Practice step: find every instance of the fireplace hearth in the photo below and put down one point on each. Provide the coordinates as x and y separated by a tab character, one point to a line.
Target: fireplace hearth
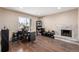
67	33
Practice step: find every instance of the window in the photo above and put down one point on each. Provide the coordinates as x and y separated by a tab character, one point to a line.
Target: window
24	22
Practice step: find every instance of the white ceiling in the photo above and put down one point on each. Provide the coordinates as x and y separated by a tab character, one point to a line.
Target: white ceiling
40	11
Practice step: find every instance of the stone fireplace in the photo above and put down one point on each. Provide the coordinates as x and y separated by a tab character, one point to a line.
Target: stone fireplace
67	33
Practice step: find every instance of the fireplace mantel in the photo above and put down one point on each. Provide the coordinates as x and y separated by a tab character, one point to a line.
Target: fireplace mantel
66	27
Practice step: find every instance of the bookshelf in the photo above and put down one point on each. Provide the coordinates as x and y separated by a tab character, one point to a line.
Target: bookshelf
38	26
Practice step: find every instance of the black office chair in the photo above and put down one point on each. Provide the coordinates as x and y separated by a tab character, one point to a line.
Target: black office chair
32	37
14	37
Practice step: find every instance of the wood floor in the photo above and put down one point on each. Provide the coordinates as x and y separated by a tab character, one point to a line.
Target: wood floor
43	44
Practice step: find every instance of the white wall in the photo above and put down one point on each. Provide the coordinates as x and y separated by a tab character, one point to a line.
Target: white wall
64	19
78	23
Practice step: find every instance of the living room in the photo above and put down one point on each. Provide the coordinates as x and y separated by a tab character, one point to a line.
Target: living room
64	22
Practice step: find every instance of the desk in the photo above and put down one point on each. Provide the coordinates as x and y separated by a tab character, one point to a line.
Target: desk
21	35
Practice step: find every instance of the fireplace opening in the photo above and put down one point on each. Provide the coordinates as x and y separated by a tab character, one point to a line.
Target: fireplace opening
67	33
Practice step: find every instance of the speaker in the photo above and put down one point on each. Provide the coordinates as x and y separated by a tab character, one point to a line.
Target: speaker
4	40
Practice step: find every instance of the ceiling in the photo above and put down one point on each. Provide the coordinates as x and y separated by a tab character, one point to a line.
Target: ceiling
40	11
